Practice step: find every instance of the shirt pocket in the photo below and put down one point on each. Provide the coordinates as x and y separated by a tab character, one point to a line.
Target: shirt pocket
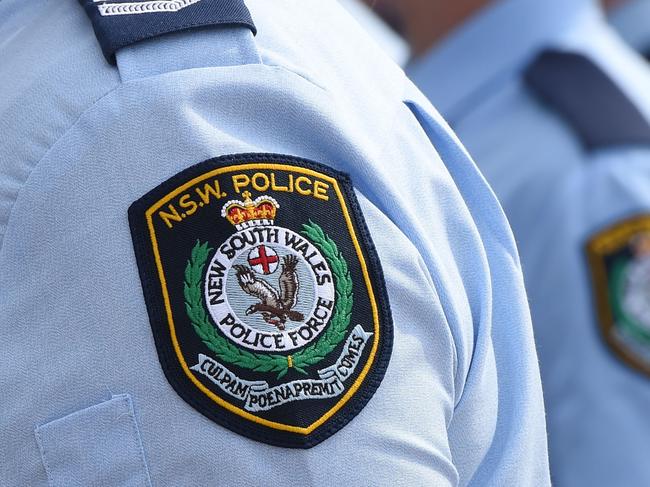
96	446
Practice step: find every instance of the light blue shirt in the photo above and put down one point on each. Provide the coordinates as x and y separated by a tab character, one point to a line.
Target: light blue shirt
84	399
389	40
556	195
632	21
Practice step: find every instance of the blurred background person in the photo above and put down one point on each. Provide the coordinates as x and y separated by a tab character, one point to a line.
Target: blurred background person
554	107
631	18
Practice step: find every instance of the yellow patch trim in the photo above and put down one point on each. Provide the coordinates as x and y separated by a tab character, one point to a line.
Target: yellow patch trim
606	242
161	275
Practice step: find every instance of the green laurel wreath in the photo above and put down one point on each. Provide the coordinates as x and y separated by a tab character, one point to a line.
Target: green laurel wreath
622	317
258	362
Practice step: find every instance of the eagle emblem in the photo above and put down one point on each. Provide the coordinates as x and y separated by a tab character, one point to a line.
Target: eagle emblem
274	306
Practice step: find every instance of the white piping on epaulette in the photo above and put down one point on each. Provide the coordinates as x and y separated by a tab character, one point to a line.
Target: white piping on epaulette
131	8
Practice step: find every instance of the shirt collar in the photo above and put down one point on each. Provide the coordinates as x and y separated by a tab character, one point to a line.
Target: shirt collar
499	41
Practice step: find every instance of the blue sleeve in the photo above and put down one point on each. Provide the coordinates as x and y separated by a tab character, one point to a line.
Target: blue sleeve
497	352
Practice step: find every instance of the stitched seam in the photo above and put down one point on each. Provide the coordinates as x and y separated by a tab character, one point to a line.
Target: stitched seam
295	73
124	398
41	447
274	67
137	438
47	152
176	28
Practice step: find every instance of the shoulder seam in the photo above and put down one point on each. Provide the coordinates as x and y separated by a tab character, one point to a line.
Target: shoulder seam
45	154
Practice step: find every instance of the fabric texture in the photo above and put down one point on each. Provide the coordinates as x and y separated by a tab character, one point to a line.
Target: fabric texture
460	403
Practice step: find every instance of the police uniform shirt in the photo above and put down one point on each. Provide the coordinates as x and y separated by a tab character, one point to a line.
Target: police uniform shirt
98	387
631	20
392	43
554	107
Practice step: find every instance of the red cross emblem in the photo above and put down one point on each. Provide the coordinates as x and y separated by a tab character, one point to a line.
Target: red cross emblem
263	259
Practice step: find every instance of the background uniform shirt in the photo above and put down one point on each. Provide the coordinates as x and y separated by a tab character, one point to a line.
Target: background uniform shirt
557	194
632	21
81	140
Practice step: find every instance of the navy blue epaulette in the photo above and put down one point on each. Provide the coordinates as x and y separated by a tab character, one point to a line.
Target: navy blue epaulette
120	23
584	95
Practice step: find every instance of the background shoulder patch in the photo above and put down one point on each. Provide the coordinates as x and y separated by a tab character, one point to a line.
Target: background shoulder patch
265	295
619	259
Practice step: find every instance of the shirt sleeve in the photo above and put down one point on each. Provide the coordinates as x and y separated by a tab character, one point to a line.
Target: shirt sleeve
497	372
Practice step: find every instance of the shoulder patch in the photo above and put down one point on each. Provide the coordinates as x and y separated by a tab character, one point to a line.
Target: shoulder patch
265	295
619	258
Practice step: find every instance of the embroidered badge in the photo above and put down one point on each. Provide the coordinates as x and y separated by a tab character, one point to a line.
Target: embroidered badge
265	295
620	265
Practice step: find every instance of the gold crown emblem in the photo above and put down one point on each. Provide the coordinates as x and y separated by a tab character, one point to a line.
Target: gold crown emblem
250	213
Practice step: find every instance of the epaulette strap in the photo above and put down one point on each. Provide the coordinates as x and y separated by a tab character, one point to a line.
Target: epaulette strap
586	97
119	23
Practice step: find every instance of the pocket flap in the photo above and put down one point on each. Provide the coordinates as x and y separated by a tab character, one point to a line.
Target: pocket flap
98	446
